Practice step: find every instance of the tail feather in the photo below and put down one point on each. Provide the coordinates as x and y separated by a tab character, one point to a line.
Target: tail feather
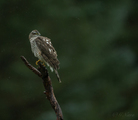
57	76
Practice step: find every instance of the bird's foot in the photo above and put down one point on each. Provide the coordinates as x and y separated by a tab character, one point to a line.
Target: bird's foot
43	64
37	62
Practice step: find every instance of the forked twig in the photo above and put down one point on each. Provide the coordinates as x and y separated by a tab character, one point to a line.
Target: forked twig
43	73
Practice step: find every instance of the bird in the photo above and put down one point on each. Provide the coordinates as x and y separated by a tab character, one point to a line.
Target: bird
43	49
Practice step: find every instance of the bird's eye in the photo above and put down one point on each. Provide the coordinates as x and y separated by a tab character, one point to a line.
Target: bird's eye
33	32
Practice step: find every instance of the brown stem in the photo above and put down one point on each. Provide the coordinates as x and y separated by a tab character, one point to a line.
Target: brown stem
31	67
43	73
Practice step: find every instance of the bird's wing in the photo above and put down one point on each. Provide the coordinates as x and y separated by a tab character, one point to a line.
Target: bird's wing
47	51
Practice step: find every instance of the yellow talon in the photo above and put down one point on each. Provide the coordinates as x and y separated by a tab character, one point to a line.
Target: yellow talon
43	64
37	62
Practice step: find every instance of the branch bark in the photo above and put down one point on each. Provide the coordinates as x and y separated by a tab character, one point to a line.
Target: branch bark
49	92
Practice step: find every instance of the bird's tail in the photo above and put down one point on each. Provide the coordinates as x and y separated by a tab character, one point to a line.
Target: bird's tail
57	76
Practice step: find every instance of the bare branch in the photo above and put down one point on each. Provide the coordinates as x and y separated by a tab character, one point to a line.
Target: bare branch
31	67
43	73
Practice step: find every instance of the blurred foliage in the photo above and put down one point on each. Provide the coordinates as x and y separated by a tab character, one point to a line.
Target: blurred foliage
97	45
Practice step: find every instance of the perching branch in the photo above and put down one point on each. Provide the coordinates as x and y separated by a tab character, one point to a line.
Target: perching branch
43	73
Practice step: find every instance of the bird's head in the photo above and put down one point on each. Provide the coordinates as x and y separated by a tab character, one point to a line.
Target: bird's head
34	33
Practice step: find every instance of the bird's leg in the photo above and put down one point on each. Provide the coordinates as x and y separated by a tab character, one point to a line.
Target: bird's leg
43	64
37	62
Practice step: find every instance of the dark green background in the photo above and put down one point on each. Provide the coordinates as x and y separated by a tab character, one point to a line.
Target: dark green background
97	45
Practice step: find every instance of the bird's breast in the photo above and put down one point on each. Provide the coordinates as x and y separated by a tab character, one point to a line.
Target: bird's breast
35	48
